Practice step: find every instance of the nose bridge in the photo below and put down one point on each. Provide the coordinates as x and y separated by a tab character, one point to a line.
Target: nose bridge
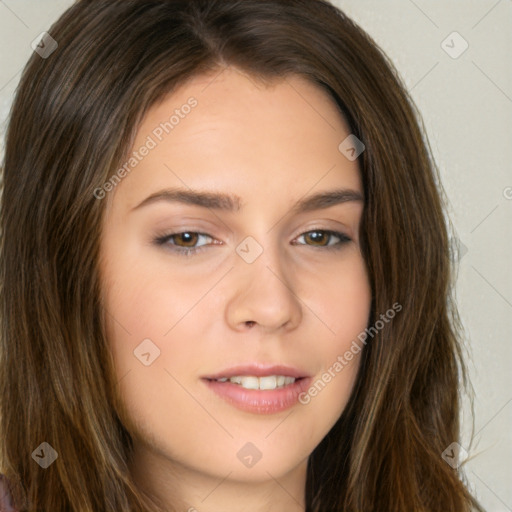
263	292
261	254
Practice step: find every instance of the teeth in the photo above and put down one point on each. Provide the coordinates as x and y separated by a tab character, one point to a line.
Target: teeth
262	383
269	382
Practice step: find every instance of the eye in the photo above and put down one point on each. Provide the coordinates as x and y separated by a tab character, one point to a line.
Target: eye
321	238
185	242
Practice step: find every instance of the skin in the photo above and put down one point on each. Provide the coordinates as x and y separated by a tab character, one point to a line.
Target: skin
270	145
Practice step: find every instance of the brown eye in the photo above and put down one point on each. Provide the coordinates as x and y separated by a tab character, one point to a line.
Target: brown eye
185	243
189	239
322	237
317	237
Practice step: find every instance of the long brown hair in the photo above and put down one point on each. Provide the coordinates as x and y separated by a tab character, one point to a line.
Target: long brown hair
72	123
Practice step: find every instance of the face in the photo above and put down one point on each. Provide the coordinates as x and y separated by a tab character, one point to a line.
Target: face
253	278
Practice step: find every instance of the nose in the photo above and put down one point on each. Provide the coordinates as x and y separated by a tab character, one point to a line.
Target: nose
263	293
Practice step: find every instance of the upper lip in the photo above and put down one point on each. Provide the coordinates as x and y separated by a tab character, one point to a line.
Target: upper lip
258	370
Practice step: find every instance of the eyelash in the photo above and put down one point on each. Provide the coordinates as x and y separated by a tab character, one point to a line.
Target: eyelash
164	239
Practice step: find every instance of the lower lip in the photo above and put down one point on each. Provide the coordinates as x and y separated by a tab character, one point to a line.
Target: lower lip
269	401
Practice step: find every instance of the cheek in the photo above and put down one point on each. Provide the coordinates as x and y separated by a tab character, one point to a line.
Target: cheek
155	339
148	330
340	298
341	302
145	302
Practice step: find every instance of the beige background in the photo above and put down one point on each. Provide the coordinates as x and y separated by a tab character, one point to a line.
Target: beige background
466	103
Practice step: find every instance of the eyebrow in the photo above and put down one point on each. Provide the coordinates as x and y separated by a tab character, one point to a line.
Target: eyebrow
233	203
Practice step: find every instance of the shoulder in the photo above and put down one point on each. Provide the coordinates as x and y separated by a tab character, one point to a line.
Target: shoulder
5	496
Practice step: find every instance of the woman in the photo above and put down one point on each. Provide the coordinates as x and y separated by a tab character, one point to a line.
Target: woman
225	269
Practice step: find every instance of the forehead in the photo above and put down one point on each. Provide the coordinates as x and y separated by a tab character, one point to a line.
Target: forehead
277	136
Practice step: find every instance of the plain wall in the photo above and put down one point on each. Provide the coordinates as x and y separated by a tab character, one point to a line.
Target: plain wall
466	103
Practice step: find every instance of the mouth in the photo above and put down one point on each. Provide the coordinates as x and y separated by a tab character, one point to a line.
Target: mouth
260	389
